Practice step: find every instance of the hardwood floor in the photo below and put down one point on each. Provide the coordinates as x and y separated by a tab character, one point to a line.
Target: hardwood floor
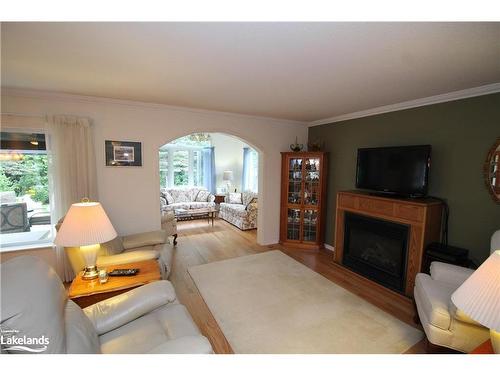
200	243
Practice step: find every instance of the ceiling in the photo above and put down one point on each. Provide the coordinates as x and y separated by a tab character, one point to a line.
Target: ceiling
297	71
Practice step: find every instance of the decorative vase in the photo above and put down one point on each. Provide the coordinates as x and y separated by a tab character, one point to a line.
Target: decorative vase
316	145
296	147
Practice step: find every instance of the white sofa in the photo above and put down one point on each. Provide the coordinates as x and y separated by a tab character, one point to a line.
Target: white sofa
240	209
173	199
147	319
443	323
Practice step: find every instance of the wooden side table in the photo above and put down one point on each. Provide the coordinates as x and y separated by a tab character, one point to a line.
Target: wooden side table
484	348
87	292
219	198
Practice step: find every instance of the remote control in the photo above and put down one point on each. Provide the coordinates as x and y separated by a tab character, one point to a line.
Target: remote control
124	272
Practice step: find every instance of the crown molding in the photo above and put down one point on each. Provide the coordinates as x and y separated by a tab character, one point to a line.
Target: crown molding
61	96
448	97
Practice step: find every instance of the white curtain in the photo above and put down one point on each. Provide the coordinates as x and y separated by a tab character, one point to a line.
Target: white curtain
72	171
250	175
209	168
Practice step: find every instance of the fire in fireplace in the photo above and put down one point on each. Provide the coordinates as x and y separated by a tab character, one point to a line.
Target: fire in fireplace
376	249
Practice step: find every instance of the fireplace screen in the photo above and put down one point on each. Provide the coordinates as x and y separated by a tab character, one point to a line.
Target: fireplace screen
376	249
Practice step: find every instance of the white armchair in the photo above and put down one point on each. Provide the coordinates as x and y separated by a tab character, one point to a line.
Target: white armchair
147	319
169	224
443	323
128	249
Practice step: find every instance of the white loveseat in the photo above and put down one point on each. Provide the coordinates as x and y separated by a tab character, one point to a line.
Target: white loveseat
443	323
147	319
240	209
173	199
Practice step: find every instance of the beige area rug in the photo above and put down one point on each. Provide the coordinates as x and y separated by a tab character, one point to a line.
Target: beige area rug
270	303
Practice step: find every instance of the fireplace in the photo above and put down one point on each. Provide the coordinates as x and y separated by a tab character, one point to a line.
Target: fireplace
376	249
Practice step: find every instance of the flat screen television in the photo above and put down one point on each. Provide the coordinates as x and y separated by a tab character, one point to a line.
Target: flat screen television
394	170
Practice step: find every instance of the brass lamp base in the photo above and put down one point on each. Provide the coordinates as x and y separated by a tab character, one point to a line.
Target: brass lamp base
90	273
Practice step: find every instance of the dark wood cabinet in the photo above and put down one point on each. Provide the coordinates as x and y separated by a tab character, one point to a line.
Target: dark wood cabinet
219	198
303	199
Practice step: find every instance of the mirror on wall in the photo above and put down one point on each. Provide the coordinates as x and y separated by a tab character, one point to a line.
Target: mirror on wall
492	171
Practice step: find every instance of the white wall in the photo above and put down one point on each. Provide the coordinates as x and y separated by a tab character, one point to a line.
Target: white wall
130	194
228	157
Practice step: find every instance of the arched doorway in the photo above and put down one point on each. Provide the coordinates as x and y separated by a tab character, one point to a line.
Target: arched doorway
225	165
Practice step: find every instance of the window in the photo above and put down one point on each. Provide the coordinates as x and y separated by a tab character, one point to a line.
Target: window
24	189
197	167
181	167
181	163
164	168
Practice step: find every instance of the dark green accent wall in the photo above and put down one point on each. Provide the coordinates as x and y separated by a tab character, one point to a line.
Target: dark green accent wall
461	132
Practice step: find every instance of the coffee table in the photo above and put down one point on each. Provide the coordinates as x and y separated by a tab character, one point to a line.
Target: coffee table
196	213
87	292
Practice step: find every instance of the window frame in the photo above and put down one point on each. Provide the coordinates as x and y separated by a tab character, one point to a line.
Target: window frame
171	149
29	244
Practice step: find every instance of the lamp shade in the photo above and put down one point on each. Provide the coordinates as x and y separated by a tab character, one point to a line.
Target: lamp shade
85	224
227	176
479	295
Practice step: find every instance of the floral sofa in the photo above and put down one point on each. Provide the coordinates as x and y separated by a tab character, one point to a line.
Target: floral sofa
173	199
240	209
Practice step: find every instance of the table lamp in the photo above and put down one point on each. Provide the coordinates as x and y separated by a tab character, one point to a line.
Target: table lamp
479	297
86	225
228	178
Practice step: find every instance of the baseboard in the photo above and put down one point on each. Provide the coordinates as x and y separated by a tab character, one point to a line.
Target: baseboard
326	246
329	247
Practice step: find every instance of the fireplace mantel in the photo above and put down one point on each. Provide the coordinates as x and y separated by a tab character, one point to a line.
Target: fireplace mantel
423	216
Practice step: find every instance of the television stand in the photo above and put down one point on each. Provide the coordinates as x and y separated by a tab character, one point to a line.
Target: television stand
394	195
388	195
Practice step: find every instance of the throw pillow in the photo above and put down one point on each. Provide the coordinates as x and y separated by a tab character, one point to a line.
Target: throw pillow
235	198
253	200
179	196
202	196
191	194
163	201
168	197
247	197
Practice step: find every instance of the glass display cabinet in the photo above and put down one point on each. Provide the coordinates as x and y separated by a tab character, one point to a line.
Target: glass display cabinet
303	198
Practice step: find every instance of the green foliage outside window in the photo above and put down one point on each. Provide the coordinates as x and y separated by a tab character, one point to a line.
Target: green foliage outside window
163	179
163	168
5	183
26	176
180	178
181	168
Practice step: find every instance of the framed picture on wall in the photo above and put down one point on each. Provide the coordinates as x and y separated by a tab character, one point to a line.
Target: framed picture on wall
123	154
